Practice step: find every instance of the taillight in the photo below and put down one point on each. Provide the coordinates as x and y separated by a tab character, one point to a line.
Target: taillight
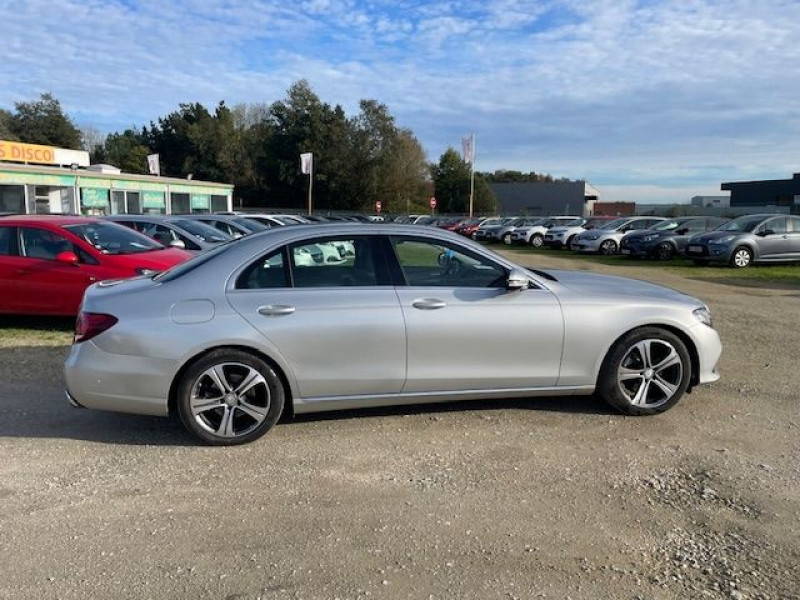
89	325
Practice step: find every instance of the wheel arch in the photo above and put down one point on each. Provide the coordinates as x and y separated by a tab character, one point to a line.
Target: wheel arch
288	405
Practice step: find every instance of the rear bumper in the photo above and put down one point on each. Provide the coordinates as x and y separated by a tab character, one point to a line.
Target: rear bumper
116	382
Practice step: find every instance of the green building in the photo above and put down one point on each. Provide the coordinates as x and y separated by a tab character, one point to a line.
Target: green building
69	185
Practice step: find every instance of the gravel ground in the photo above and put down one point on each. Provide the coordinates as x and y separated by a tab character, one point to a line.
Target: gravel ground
540	498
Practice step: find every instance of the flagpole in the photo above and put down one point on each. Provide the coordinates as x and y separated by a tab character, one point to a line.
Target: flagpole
310	184
472	177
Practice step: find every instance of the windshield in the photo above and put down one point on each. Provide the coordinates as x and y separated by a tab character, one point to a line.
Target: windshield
667	225
207	233
286	220
611	225
575	223
490	222
741	224
110	238
251	226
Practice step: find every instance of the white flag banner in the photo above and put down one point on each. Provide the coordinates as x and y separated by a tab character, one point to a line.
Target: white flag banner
306	163
153	166
468	145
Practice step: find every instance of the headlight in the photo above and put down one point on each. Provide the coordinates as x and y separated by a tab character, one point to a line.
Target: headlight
723	240
703	315
558	234
650	238
591	236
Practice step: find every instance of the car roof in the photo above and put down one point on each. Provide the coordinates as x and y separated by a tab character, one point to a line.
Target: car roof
54	220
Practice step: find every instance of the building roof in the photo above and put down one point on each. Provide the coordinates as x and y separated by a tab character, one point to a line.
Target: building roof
86	173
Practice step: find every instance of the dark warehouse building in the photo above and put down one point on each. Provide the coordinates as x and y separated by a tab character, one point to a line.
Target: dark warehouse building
780	195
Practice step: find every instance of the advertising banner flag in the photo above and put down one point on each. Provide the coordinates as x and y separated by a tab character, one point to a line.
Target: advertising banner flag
468	145
306	163
153	166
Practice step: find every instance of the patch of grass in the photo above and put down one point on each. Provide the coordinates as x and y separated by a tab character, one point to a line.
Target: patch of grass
35	331
781	274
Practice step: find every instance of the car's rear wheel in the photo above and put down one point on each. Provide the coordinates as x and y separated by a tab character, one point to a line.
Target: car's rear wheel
646	372
741	257
537	240
608	247
665	251
230	397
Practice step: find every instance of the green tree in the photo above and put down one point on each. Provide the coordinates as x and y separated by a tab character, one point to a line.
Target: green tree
451	180
6	119
43	122
127	150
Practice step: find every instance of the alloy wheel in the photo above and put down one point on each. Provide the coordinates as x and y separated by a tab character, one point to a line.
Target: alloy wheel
650	373
608	247
230	399
537	241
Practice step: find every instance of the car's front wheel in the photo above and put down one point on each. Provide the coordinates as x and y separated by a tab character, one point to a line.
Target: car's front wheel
741	258
230	397
646	372
537	240
608	248
665	251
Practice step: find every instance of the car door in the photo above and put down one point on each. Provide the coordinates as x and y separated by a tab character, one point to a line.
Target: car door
45	285
9	263
773	240
333	315
464	330
794	237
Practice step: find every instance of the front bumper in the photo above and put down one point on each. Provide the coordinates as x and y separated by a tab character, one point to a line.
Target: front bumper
587	246
553	241
709	350
117	382
709	252
638	249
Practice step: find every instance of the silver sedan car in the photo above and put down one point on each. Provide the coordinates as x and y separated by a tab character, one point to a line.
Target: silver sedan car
236	337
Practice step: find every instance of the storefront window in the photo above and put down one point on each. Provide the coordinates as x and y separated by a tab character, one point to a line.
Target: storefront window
118	203
180	204
153	203
95	201
134	203
219	203
12	198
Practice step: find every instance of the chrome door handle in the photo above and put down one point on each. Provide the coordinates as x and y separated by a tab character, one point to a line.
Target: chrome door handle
428	304
275	310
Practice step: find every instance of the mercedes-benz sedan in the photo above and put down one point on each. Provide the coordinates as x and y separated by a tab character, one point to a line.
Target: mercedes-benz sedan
236	337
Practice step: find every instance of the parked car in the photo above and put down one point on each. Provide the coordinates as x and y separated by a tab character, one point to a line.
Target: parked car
606	239
504	232
175	231
468	226
668	238
237	337
46	262
533	233
234	226
486	229
747	240
448	223
563	235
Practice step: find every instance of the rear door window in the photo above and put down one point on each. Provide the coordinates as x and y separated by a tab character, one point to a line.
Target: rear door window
267	272
42	243
337	262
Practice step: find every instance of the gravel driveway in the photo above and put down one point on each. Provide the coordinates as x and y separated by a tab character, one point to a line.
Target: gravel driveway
541	498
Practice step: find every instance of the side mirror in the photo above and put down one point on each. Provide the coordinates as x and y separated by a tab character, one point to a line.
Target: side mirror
177	244
517	280
682	231
67	258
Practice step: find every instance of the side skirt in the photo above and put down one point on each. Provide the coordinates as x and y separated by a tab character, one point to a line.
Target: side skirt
324	403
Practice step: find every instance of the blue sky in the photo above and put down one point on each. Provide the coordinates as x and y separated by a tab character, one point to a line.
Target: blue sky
651	101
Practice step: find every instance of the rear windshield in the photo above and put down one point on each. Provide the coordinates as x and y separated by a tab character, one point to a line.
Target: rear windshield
111	238
251	226
207	233
190	265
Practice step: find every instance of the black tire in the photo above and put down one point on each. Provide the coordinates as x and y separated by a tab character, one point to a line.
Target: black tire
618	394
608	248
537	240
264	398
665	251
741	258
568	244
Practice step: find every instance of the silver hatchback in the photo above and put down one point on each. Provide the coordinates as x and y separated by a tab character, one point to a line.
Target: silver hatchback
240	335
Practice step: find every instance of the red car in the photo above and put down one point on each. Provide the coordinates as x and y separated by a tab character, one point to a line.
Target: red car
46	262
470	226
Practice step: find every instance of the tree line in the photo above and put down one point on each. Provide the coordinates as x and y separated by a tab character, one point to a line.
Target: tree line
358	159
